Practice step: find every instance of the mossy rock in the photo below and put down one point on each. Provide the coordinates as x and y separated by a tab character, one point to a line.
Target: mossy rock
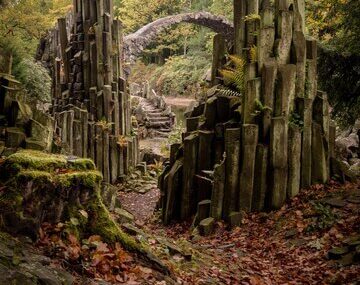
33	160
37	160
81	164
53	188
88	179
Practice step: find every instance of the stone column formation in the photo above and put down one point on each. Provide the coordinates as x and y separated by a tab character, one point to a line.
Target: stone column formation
91	104
260	155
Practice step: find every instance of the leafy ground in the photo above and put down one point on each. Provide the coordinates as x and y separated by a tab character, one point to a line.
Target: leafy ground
289	246
296	245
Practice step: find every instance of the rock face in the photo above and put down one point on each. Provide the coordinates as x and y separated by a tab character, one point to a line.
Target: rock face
20	127
90	101
267	144
20	264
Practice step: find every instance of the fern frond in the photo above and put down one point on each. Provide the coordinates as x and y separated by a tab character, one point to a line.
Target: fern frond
239	80
238	61
228	75
228	92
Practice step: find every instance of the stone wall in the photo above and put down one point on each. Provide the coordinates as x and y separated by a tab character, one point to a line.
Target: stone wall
91	103
251	153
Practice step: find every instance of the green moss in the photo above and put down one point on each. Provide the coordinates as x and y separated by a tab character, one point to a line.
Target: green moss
89	179
82	164
35	160
103	224
38	177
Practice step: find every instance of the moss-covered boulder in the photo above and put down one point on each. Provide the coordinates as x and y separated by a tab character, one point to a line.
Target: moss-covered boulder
42	187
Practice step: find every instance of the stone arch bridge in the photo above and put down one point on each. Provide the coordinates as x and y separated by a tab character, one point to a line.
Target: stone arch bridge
136	42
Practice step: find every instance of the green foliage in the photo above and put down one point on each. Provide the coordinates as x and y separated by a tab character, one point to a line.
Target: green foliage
335	23
35	79
339	76
234	77
22	24
174	137
260	108
176	134
222	8
180	75
137	13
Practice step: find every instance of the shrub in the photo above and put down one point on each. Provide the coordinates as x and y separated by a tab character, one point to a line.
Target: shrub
35	79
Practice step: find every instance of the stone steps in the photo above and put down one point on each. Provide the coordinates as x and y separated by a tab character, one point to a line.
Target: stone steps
167	130
155	119
154	114
161	134
159	119
158	125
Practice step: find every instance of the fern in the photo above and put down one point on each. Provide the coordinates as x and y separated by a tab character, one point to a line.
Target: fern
234	76
260	108
229	92
238	61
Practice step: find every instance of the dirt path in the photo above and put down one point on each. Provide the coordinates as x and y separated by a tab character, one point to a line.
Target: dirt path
142	206
289	246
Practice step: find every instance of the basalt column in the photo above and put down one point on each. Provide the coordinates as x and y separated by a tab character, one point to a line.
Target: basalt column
90	100
267	143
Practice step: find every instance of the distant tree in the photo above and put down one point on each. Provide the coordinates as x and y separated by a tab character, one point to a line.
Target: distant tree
335	23
22	24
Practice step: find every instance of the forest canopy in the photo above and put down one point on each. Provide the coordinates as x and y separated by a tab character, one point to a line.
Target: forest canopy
23	22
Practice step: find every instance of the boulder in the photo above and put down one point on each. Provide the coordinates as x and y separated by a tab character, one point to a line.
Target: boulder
355	169
348	146
206	226
41	193
337	252
341	170
140	114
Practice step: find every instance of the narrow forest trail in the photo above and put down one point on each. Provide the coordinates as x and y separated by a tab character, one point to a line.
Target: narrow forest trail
311	240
